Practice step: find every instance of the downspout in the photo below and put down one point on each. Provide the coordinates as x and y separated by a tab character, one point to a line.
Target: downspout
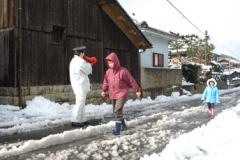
20	104
140	66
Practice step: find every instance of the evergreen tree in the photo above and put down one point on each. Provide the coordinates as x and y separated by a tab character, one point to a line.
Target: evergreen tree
191	72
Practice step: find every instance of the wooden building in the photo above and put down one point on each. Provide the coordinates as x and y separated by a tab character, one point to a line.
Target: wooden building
37	37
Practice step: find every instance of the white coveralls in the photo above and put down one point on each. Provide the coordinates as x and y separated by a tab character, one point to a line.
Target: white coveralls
79	70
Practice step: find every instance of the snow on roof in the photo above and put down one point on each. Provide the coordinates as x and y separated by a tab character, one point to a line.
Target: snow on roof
167	35
234	61
230	60
236	78
231	71
205	67
216	63
178	51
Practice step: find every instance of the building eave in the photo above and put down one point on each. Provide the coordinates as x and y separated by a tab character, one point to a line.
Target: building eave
159	33
119	16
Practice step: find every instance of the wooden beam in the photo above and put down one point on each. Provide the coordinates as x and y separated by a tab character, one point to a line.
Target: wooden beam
119	20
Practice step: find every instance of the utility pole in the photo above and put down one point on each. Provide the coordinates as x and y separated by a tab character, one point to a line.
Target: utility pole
206	46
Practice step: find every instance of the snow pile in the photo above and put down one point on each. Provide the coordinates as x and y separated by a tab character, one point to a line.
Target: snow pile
219	139
42	113
43	107
186	92
175	94
185	83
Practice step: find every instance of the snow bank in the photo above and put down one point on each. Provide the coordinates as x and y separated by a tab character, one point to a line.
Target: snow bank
219	139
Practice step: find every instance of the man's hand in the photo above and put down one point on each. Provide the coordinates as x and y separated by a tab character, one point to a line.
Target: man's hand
103	94
138	94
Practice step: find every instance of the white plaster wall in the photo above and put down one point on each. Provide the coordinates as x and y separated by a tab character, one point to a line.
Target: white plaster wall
160	45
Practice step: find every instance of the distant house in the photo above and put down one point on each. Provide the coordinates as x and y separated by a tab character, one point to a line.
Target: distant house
37	38
175	61
224	62
229	63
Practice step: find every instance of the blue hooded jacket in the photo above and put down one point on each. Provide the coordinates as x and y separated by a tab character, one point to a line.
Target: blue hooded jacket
210	94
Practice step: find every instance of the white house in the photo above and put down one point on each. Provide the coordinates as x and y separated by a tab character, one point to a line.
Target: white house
156	77
156	57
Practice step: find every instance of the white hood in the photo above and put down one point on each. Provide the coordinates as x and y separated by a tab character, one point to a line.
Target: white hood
212	79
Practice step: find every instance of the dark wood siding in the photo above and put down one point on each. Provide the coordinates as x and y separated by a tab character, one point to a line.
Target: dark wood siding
115	41
43	60
7	59
41	15
6	13
51	28
84	19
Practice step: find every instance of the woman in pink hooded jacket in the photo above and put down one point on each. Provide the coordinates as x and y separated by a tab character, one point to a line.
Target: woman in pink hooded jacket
117	81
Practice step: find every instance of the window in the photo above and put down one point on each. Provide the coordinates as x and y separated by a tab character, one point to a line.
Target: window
57	34
157	60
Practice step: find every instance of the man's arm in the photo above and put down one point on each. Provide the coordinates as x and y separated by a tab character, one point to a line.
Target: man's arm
86	68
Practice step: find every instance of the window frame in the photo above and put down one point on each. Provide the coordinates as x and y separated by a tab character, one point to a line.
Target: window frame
158	60
58	33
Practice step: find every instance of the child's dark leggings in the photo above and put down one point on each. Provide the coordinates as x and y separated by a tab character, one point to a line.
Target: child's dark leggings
211	105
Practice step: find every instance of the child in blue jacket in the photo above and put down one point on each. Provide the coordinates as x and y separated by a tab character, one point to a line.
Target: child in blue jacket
211	95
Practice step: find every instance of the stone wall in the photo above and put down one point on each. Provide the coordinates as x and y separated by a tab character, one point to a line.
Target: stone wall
56	93
160	77
160	81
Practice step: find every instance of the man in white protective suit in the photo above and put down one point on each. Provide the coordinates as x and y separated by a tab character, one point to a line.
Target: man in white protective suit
79	70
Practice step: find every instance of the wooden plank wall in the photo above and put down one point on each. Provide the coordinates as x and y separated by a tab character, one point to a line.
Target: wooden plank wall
46	62
6	13
6	59
115	40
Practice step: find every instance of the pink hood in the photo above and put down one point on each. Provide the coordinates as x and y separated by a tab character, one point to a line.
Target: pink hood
113	57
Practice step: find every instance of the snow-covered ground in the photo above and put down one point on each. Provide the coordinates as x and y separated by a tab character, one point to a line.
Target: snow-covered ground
41	113
218	140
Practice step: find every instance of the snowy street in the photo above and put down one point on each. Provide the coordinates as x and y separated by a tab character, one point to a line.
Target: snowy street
152	124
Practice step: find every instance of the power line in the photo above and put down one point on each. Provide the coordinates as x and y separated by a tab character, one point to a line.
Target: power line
223	46
185	16
195	26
